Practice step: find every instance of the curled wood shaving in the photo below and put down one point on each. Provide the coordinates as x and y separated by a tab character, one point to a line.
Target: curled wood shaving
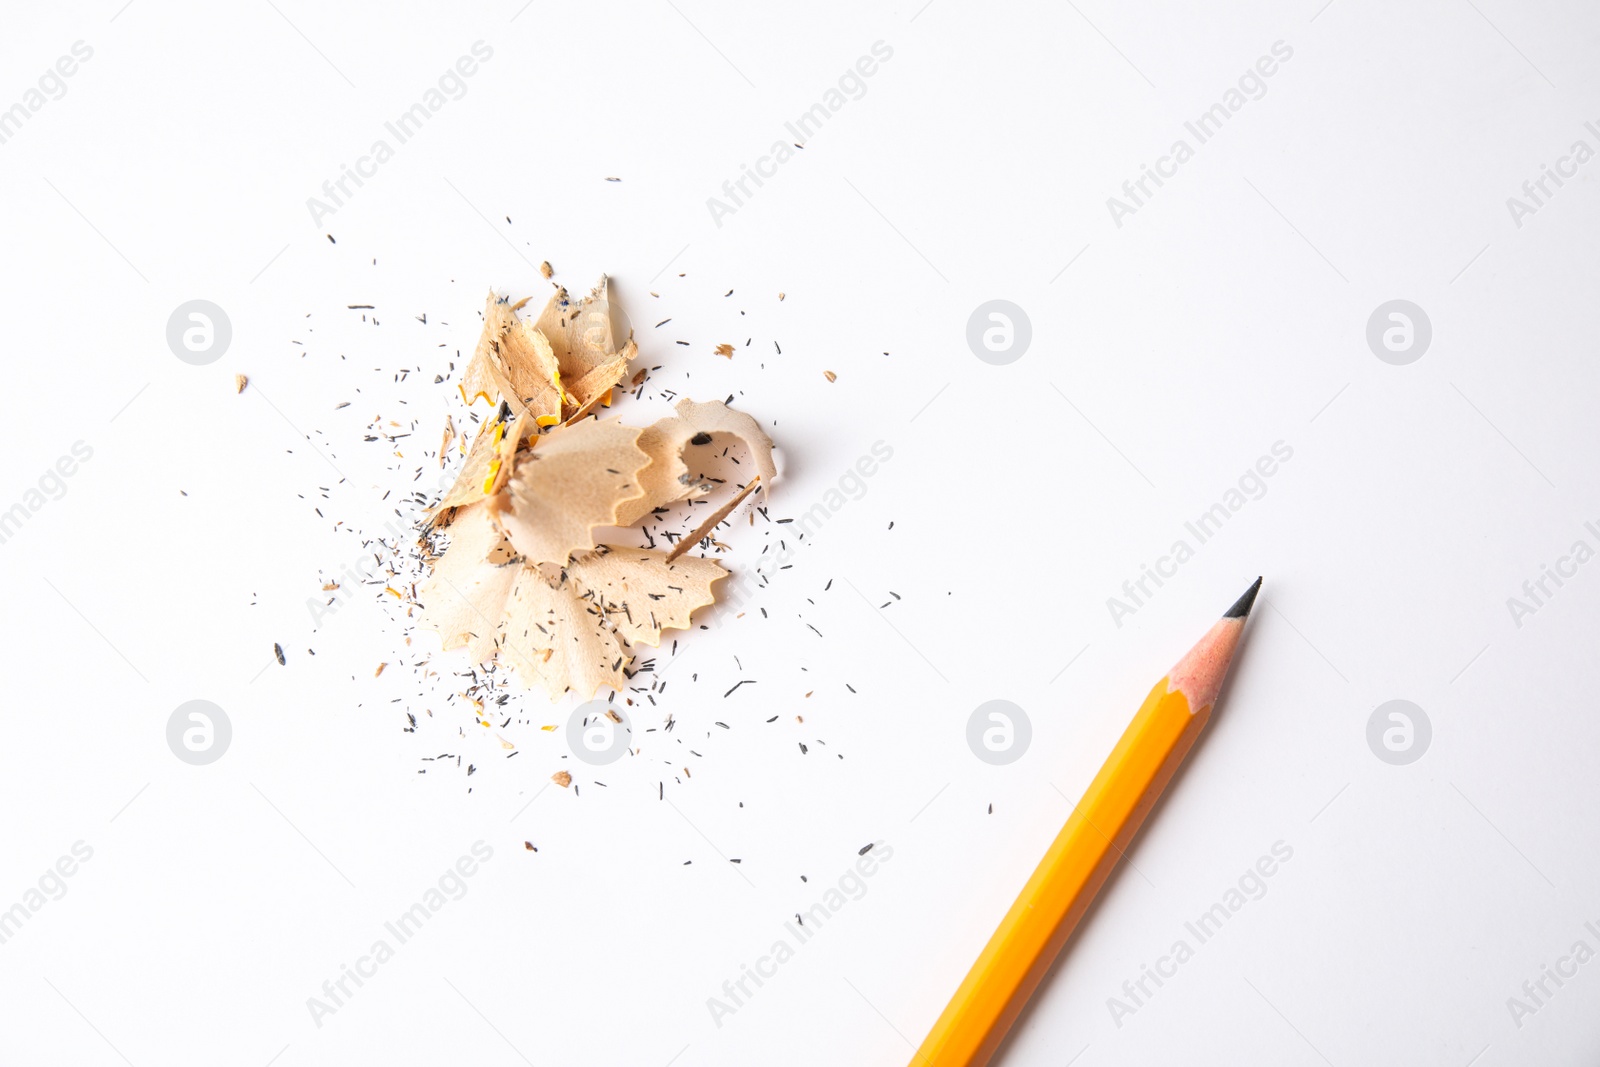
562	629
521	580
715	417
594	386
580	336
503	464
559	642
667	478
642	592
464	599
563	363
479	469
575	480
514	362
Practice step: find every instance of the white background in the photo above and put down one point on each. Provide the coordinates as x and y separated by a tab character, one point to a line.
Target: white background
1227	314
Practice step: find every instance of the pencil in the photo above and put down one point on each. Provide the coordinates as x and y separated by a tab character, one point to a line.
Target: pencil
1100	827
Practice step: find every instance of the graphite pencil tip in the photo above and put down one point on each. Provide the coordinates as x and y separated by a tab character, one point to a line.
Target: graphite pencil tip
1241	607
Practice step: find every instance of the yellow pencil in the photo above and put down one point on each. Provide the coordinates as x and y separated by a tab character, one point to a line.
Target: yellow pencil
1063	886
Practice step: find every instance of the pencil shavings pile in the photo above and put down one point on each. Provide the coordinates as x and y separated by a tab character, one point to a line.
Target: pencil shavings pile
523	582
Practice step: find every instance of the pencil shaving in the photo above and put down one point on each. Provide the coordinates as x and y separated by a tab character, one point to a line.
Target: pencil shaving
580	333
575	480
522	581
449	436
642	592
468	488
668	479
515	363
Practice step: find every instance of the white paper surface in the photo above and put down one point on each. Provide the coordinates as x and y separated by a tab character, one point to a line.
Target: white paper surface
1225	316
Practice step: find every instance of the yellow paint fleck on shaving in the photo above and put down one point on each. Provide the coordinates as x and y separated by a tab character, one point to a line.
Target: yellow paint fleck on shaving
566	397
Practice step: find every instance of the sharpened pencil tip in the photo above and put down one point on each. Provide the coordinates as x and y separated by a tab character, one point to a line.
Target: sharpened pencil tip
1241	607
